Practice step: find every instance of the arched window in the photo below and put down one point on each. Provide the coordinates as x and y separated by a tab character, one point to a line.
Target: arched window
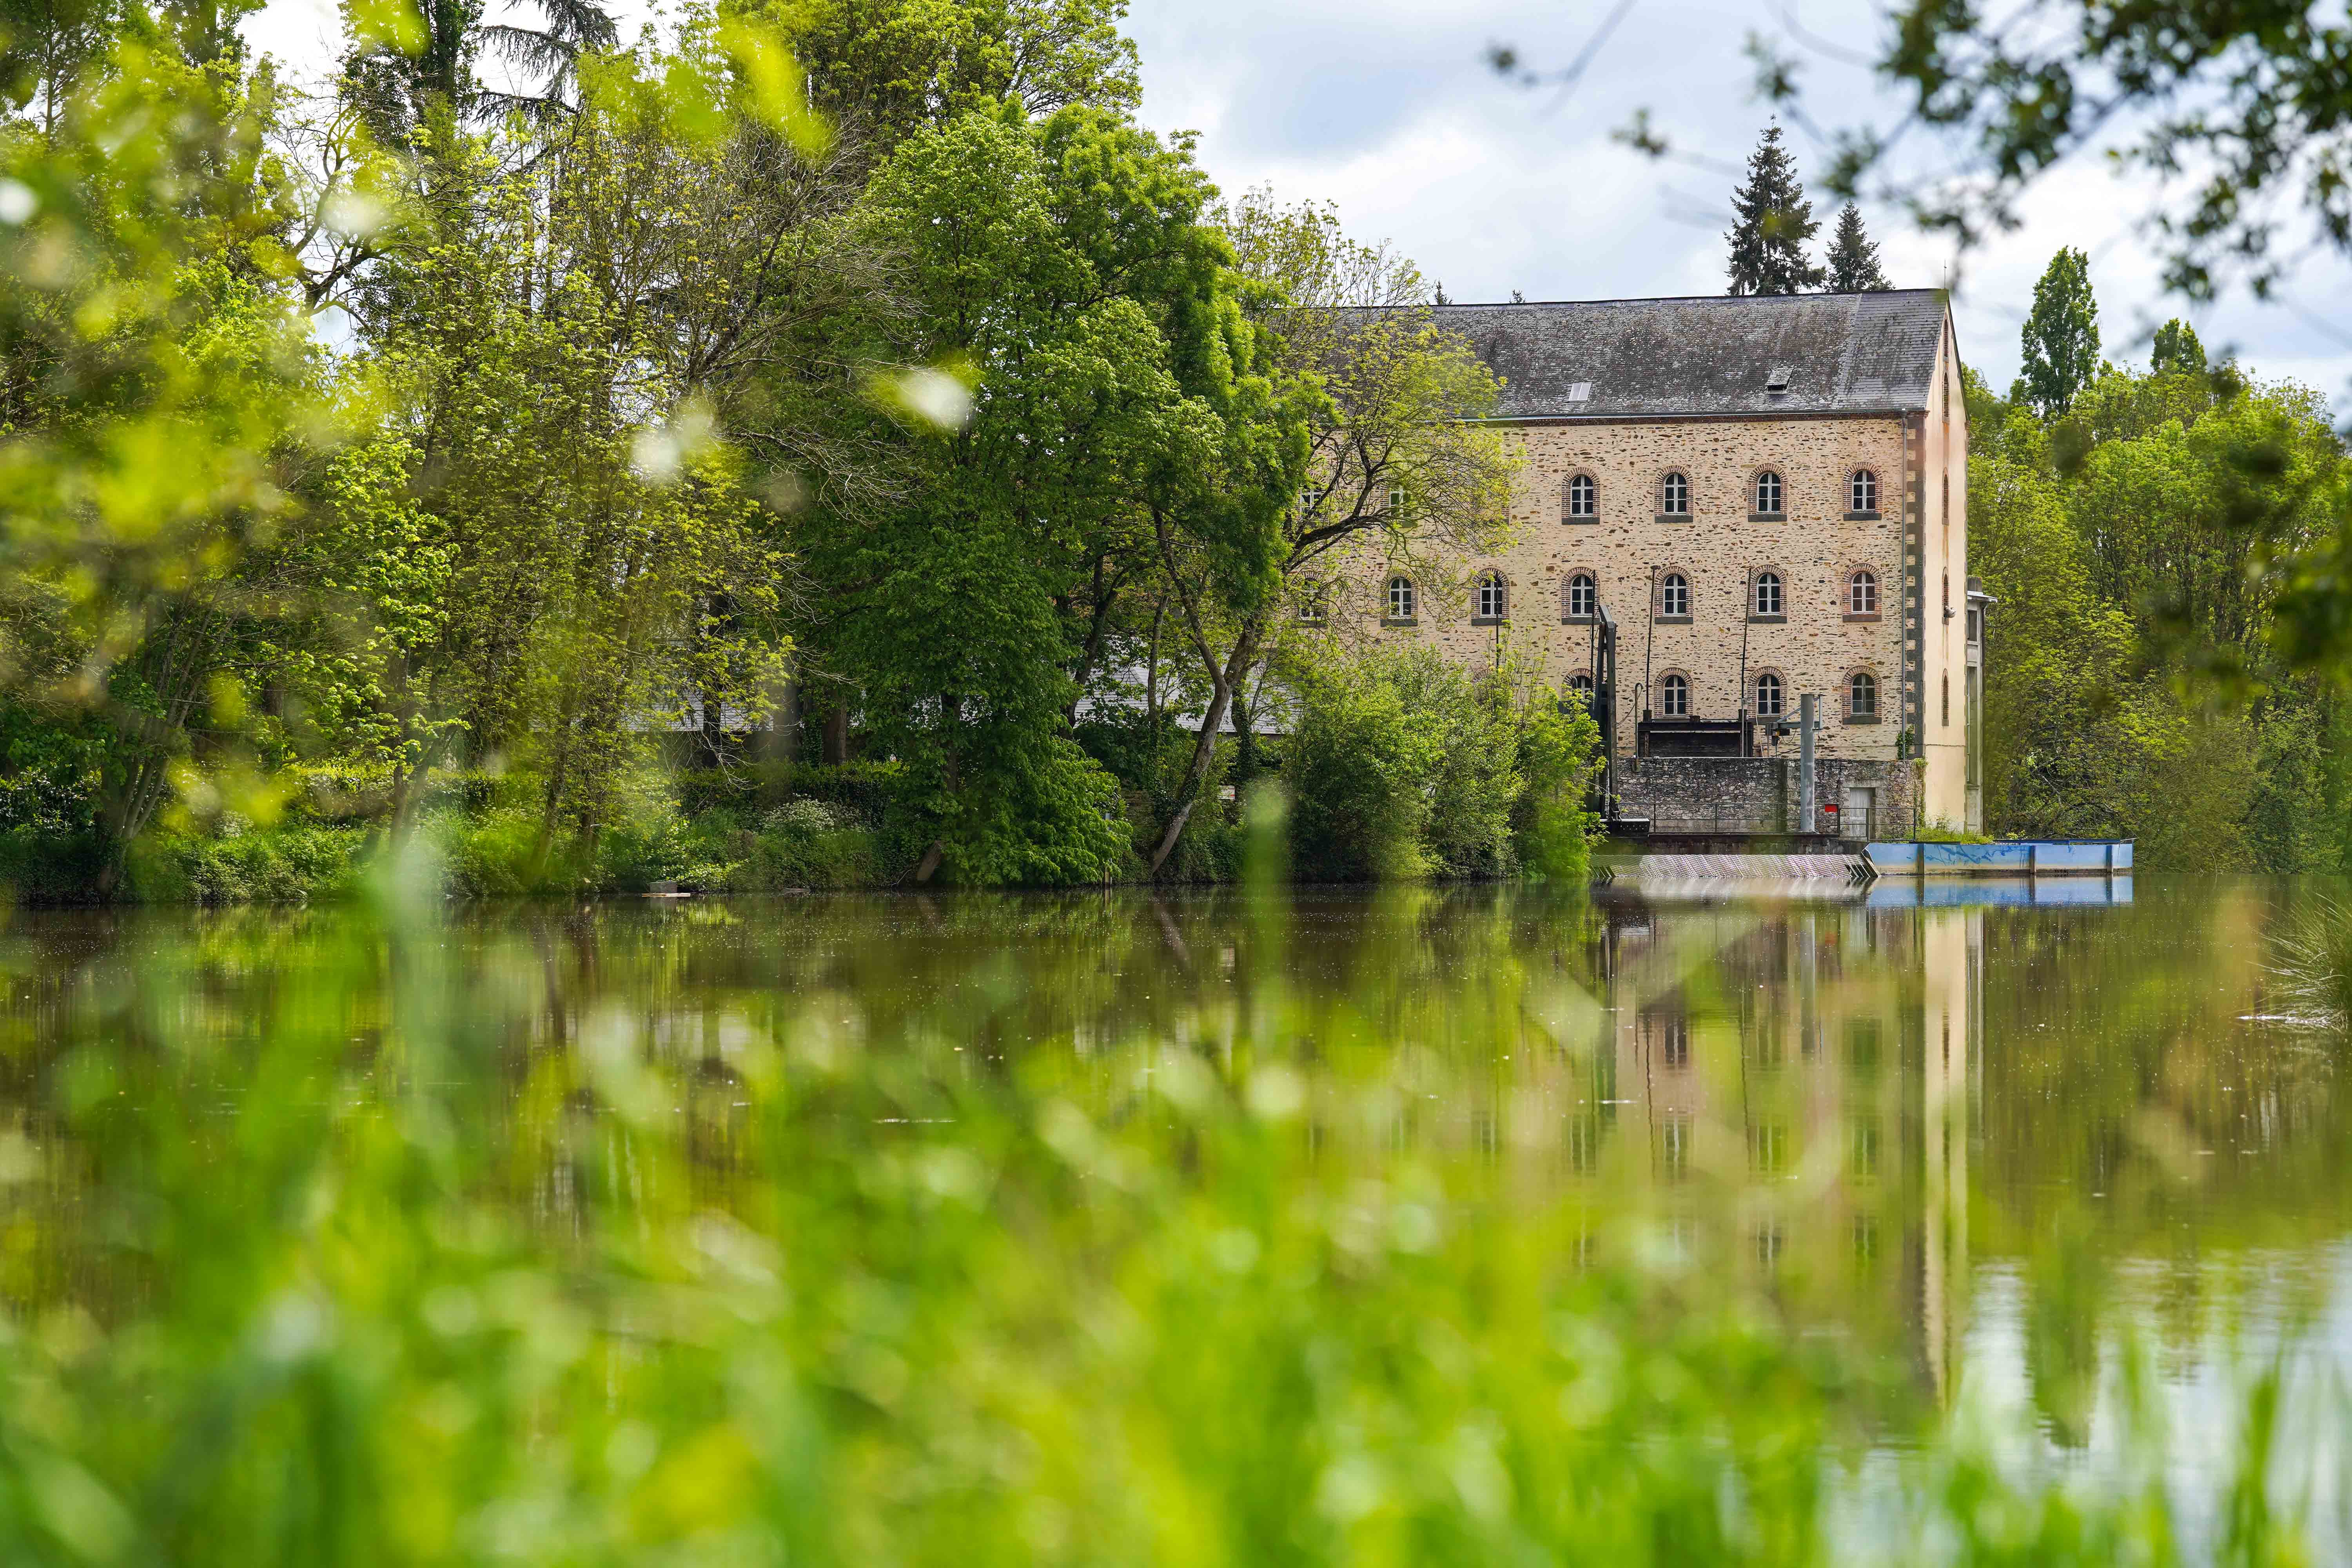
1768	492
1673	697
1583	499
1861	594
1768	593
1673	495
1862	695
1581	684
1767	696
1673	594
1396	499
1313	598
1402	601
1493	598
1581	597
1862	491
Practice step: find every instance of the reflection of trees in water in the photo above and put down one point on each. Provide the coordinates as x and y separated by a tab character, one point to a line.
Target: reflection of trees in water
2116	1061
1756	1086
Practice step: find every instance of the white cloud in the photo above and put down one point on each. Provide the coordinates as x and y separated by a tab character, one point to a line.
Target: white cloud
1386	108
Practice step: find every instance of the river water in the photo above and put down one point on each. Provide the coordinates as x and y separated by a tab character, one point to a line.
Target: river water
2031	1147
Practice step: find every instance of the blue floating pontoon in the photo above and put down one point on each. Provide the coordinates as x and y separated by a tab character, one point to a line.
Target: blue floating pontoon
2024	857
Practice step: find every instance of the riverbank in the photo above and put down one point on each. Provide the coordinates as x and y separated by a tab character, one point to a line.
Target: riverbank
1364	793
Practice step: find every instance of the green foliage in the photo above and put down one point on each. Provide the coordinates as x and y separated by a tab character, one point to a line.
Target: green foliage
2314	965
889	69
2061	336
653	397
1405	766
1553	823
1065	265
286	864
2177	351
1359	772
1773	224
2251	103
2134	679
1853	256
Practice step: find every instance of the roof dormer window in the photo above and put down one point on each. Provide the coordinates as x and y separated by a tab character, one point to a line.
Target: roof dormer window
1776	380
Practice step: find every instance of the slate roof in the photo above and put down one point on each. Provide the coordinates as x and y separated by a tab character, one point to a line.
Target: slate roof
1842	354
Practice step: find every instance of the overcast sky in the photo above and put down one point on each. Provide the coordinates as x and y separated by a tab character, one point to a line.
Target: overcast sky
1387	109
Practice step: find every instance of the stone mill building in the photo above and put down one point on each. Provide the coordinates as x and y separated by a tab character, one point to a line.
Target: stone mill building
1723	504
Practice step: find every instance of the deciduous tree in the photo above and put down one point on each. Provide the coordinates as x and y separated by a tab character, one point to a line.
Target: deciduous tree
1396	465
2061	335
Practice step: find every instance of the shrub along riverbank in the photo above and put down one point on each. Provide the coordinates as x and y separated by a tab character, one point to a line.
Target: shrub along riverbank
1401	766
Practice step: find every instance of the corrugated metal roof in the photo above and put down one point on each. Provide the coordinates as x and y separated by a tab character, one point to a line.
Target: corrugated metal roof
1842	354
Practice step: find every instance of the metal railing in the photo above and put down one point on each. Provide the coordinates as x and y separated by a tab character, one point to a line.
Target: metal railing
1716	820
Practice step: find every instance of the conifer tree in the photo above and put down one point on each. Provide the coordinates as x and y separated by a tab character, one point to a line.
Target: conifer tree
1854	260
2061	338
1775	220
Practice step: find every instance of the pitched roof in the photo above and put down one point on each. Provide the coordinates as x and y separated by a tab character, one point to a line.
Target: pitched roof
1840	354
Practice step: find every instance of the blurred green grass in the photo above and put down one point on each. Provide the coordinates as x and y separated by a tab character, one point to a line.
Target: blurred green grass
326	1241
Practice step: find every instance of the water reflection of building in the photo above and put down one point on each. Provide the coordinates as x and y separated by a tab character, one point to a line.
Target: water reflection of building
1786	1092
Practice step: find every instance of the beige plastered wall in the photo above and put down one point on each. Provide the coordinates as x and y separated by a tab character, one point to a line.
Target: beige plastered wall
1944	598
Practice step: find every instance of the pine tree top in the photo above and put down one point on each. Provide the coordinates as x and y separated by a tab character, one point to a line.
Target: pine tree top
1854	258
1774	223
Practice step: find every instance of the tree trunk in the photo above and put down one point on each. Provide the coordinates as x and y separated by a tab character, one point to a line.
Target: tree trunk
1245	763
176	670
1151	674
836	736
784	739
1204	745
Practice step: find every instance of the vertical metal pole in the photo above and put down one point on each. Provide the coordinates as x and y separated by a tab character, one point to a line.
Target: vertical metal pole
1739	703
1805	706
1649	642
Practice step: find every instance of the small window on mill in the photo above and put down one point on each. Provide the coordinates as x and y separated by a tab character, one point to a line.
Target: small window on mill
1673	697
1862	695
1769	600
1673	495
1767	696
1673	594
1581	596
1583	497
1402	599
1768	492
1862	491
1493	598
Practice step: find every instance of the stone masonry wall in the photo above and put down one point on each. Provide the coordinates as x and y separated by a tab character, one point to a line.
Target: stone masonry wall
1815	646
1758	794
